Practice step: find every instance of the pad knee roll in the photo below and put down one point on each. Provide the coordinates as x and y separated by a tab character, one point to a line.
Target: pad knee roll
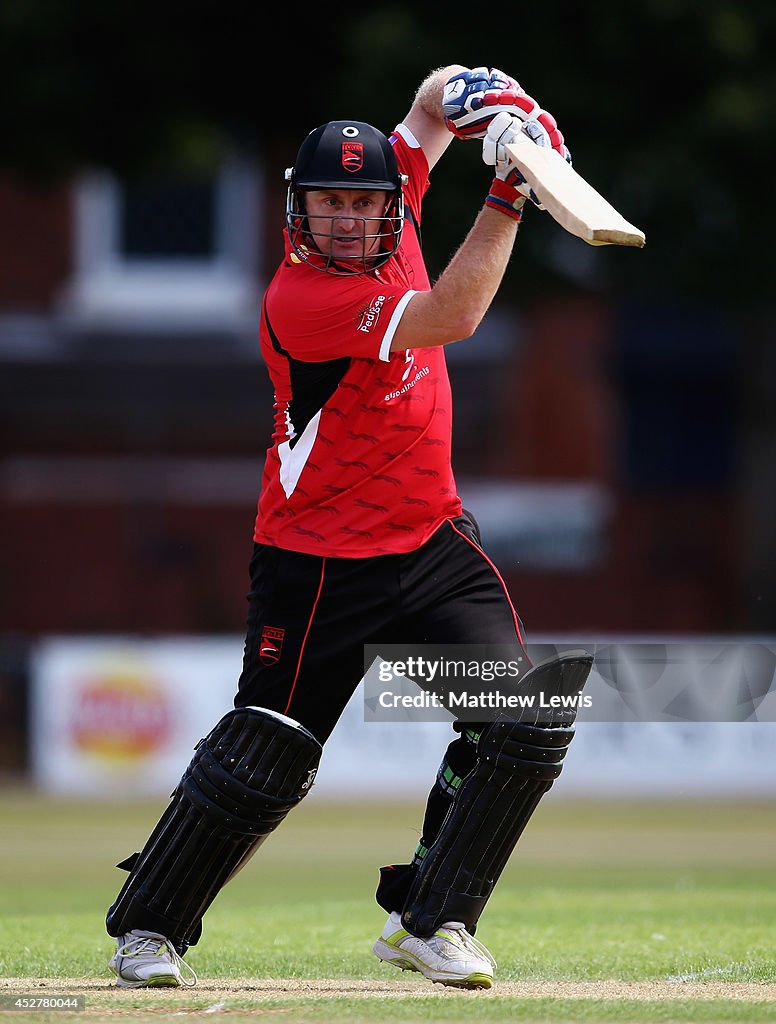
246	775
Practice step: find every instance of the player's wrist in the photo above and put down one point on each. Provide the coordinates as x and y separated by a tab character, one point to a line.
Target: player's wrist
506	199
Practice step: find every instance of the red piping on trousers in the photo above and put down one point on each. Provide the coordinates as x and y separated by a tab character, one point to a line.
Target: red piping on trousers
501	581
304	640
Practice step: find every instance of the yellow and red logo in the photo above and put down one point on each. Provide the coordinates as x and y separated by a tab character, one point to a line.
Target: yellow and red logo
120	715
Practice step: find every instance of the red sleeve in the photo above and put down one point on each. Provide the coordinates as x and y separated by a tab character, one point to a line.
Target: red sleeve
412	162
315	316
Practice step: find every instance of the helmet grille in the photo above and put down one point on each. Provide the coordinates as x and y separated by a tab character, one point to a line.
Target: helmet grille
346	155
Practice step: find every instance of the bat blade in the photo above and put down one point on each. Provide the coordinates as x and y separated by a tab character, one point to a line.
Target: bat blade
571	200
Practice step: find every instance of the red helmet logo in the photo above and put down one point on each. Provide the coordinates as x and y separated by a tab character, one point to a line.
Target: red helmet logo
353	156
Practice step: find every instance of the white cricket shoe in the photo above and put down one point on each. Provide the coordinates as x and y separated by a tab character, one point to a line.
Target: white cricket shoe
149	960
451	956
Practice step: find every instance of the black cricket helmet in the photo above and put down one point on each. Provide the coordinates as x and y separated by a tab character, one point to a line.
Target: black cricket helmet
346	155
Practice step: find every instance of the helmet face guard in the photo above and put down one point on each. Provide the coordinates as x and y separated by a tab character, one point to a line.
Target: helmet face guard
345	155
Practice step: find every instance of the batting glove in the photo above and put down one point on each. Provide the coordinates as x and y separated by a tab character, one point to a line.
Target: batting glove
505	128
471	99
505	193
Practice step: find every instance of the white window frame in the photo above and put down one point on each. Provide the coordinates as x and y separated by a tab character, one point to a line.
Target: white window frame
114	292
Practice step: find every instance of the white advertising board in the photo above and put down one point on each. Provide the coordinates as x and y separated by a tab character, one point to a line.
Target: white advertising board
119	717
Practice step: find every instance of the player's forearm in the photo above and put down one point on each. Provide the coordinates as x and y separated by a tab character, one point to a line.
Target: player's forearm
468	285
425	118
453	309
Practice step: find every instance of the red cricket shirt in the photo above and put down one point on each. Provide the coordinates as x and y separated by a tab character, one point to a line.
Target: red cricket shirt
360	457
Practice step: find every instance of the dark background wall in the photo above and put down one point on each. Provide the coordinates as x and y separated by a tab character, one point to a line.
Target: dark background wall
646	372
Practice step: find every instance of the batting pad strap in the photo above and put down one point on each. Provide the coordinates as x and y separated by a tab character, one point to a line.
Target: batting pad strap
245	776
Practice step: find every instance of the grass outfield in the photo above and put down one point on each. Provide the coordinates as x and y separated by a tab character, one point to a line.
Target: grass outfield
649	912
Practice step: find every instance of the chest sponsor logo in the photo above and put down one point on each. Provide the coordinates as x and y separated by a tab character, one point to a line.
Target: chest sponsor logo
371	315
271	644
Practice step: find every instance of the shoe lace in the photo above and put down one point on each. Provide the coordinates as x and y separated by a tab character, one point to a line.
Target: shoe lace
469	942
149	945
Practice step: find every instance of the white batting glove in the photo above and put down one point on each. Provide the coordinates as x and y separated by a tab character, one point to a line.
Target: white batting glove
504	129
508	189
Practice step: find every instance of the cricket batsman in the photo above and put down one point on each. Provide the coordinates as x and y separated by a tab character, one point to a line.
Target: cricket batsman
360	537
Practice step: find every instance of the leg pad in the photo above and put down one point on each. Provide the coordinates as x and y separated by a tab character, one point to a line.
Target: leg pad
517	764
244	778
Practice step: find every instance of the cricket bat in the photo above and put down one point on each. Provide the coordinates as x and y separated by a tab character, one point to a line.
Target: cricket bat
574	204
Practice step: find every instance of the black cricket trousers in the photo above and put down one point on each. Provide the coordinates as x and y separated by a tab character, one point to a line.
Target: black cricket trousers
309	618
